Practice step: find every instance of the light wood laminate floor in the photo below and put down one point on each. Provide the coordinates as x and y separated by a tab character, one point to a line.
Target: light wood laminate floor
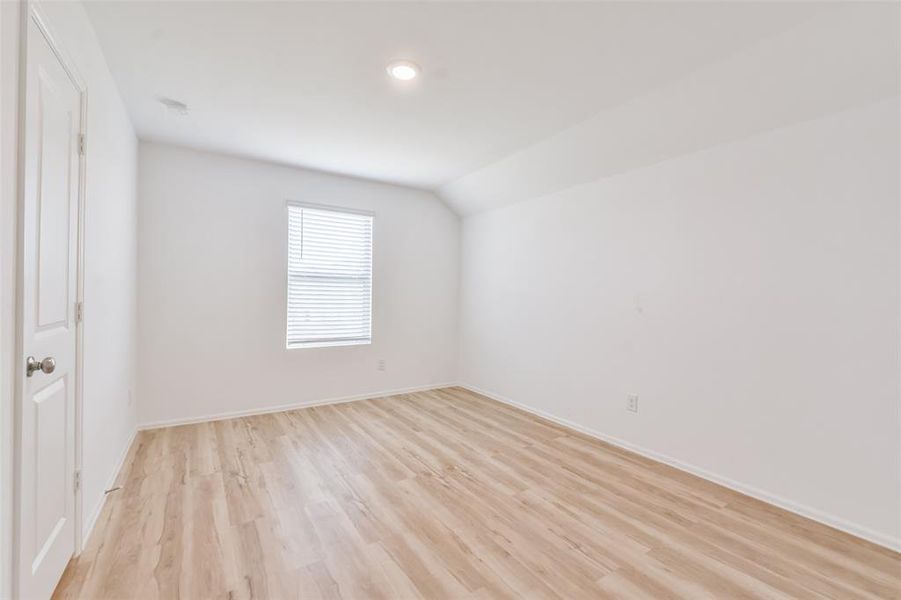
443	494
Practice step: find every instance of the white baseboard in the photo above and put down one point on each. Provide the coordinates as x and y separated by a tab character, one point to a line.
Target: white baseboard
98	506
284	407
819	516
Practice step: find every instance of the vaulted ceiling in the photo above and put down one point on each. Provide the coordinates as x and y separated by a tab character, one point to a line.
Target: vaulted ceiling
506	88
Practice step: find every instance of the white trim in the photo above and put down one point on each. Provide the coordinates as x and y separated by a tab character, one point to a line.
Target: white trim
18	345
813	514
12	17
36	13
284	407
98	508
328	344
331	207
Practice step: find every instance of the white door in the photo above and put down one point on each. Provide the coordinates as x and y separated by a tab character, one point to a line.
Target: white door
49	262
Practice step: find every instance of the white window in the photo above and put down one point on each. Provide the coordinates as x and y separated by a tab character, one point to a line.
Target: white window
329	277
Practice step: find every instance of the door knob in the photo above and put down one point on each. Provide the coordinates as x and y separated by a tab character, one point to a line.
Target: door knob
31	365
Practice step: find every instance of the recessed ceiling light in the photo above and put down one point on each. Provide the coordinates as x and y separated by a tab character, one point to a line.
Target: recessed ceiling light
174	106
403	69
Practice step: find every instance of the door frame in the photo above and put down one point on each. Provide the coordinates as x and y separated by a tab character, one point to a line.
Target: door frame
33	13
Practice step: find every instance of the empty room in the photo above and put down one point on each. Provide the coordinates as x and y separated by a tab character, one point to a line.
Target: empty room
450	300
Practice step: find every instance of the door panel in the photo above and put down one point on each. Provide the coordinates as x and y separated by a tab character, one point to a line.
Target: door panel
53	201
51	185
50	451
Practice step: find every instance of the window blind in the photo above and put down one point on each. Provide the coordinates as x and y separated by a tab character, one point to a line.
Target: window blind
329	277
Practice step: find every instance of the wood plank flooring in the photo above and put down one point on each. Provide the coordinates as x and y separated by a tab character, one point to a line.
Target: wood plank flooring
443	494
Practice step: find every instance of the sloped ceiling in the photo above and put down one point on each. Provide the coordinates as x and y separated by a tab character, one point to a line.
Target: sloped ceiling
515	99
841	58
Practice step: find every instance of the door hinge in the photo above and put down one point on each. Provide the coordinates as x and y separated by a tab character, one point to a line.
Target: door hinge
82	144
77	480
79	312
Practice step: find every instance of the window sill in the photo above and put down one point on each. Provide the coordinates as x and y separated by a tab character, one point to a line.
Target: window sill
327	344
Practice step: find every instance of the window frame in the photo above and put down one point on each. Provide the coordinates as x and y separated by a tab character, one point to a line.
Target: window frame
325	342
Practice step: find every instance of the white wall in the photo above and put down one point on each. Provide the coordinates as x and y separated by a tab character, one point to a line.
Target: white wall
748	293
212	273
109	415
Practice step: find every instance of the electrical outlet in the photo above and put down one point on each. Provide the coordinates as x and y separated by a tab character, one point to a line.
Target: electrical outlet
632	403
381	366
